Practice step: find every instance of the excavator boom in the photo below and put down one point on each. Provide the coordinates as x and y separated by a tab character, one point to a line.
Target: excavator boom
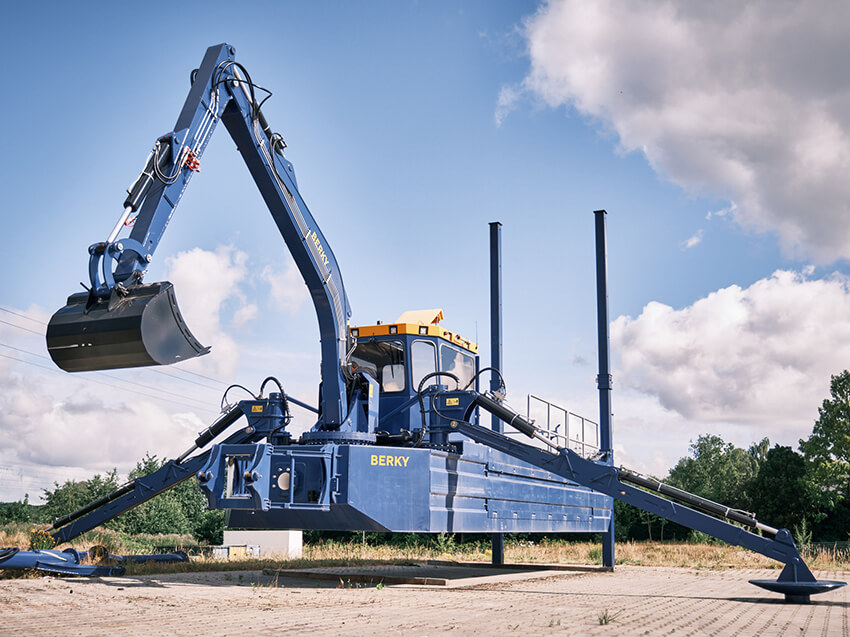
122	322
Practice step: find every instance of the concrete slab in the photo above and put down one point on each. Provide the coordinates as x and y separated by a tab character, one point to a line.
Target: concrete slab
273	543
431	573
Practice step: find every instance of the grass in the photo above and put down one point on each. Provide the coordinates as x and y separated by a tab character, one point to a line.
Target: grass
441	547
18	534
606	618
678	554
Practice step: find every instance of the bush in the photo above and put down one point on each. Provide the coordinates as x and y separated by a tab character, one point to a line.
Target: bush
157	516
21	511
72	495
210	527
41	539
177	510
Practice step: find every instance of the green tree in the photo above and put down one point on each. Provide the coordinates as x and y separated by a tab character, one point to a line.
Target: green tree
759	450
21	511
781	492
719	471
626	522
73	494
828	448
632	523
178	510
181	509
655	522
210	527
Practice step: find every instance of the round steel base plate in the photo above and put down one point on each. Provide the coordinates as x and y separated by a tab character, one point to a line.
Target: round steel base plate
798	592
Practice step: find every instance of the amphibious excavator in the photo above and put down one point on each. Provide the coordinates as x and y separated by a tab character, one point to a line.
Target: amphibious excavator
397	443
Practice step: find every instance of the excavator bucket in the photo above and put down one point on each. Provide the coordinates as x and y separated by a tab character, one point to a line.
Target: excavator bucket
139	328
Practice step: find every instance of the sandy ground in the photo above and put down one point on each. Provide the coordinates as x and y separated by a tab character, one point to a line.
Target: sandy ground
637	601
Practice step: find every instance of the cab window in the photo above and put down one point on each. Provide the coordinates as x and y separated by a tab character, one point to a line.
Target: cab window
458	363
383	360
423	361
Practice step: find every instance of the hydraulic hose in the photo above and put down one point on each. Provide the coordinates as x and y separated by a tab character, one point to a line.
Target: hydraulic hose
707	506
224	421
507	415
512	418
65	519
426	377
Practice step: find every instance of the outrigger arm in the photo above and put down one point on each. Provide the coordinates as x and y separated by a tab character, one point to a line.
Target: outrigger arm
795	581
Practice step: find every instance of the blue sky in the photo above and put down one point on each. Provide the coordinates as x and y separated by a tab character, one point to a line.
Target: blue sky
411	126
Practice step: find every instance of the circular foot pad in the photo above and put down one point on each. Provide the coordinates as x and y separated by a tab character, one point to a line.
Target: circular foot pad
798	592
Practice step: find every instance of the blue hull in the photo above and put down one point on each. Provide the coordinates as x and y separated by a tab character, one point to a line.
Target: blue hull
373	488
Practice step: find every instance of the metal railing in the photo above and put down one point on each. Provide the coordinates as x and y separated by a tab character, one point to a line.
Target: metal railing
563	426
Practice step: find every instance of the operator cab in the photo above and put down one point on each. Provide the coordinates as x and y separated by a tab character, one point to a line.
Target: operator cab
400	354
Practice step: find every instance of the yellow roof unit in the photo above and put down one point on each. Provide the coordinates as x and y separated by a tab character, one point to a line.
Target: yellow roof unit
416	322
421	317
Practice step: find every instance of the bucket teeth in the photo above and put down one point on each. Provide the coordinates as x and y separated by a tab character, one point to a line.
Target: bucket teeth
140	327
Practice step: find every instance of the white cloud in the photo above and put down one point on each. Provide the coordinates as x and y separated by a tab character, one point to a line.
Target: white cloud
508	98
693	241
723	212
288	290
58	426
745	101
204	281
245	314
741	356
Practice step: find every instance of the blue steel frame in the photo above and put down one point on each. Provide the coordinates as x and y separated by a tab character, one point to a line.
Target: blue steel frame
496	486
604	379
221	91
265	418
395	407
408	489
497	542
603	478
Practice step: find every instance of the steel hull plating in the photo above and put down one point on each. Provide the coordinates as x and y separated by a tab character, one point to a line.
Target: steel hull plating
352	487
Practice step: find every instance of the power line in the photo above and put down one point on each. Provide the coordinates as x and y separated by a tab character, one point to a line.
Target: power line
156	371
42	356
26	329
94	380
29	478
185	380
31	469
29	318
215	380
23	351
32	473
12	465
34	477
134	383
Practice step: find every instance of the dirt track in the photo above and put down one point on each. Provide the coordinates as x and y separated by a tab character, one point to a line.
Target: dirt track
640	601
